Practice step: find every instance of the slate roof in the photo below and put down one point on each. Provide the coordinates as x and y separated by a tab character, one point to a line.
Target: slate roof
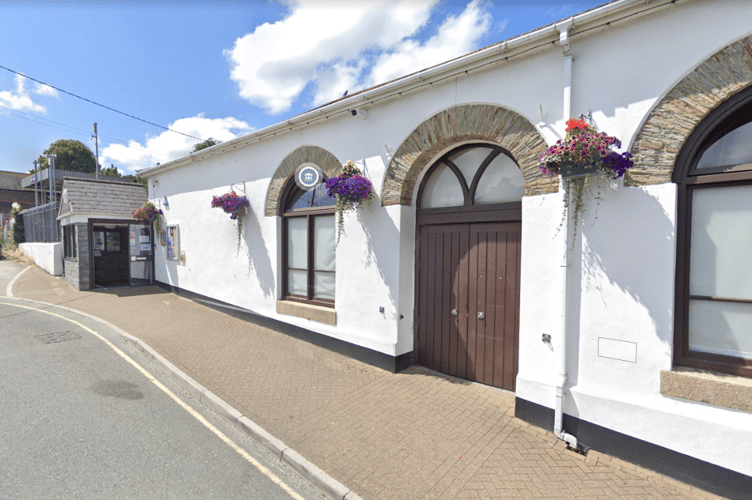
102	198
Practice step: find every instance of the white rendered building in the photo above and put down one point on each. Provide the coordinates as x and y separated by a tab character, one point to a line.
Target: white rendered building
633	338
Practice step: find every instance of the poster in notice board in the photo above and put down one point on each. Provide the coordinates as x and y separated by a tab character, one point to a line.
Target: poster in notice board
173	242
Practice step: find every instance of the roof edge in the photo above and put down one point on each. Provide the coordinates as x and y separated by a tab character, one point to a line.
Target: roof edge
594	17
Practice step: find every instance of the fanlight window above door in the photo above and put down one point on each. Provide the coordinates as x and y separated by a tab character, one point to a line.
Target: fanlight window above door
472	175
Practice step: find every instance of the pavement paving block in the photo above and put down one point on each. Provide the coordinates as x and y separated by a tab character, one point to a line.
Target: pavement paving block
416	434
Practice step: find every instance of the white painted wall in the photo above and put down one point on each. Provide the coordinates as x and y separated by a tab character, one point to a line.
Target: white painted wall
620	289
48	256
621	281
621	278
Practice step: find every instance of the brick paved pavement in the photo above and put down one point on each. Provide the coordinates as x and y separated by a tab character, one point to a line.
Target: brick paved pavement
412	435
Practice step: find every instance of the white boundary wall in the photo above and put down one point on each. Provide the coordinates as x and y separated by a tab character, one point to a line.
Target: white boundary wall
48	256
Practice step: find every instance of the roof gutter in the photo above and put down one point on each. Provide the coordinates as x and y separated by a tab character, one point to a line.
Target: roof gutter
505	49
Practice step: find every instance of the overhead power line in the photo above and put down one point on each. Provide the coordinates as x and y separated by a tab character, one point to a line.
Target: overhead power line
100	105
79	131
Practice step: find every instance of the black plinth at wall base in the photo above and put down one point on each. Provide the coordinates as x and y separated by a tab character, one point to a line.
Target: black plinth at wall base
393	364
704	475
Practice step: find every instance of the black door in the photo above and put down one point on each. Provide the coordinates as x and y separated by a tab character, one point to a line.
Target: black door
110	250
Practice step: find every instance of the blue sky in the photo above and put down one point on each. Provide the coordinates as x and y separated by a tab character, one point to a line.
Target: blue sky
218	69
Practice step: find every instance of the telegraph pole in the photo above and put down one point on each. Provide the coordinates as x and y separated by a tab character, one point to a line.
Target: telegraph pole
53	188
96	148
36	179
51	176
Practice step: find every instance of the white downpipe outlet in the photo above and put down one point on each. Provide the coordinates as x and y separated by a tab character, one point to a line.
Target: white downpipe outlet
562	378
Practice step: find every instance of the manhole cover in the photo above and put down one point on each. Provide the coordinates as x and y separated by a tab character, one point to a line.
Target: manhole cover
51	338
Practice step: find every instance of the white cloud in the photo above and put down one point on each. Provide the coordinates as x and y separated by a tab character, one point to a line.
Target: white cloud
46	90
169	145
456	36
330	81
324	43
20	100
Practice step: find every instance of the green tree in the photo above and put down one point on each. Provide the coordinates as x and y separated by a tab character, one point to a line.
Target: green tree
138	180
110	171
206	144
71	155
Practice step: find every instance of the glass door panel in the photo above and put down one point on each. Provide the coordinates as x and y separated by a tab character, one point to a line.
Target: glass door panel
140	249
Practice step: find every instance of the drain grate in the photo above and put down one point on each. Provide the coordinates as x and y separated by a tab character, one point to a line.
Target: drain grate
51	338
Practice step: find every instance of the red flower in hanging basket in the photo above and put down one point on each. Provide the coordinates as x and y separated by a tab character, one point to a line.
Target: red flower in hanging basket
584	146
574	123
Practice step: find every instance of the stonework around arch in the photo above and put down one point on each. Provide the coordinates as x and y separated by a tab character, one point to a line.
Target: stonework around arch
471	122
669	124
327	162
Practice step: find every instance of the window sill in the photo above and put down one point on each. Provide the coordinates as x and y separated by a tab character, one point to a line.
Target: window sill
718	389
307	311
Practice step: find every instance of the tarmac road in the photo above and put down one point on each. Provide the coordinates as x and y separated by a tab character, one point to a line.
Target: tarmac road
78	420
8	271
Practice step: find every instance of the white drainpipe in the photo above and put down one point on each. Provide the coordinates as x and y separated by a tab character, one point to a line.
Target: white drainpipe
563	28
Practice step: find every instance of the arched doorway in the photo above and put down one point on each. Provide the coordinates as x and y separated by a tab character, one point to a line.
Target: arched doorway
468	265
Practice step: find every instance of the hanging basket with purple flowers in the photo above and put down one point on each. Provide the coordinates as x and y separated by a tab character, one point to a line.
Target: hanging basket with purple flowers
584	153
236	206
149	213
350	189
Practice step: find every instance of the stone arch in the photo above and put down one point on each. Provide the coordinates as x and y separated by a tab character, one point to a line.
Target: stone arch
327	162
467	122
673	119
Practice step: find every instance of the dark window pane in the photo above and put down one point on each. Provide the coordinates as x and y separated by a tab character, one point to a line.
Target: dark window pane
113	241
321	197
316	197
734	148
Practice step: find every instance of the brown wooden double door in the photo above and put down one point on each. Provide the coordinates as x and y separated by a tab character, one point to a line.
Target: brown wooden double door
468	301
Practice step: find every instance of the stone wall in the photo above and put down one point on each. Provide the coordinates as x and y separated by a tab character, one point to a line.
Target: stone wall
70	269
674	118
461	124
327	162
77	271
